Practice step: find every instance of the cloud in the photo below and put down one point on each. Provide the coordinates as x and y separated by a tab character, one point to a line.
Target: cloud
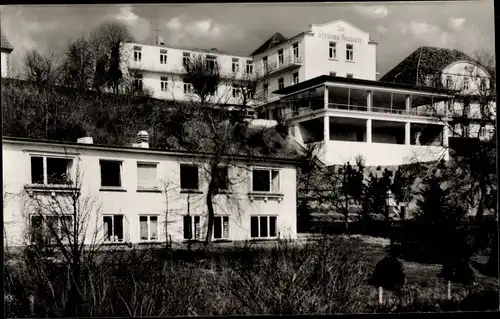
456	23
375	12
199	32
127	16
427	34
381	29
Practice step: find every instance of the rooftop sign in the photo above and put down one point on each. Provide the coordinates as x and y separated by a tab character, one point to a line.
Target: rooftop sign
339	37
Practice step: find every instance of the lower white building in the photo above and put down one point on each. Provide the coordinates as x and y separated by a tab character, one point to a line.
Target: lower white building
135	195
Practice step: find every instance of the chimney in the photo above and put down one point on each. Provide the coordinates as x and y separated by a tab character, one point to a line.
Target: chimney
160	40
85	140
142	140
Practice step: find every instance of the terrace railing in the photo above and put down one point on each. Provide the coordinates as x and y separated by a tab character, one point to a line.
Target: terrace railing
428	112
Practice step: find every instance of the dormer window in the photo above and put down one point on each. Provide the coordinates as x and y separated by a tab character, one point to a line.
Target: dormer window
429	80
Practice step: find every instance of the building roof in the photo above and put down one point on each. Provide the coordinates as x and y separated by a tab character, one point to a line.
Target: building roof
166	152
424	60
329	78
275	40
5	44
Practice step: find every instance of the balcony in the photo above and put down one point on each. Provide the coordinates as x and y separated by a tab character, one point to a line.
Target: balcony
286	63
426	110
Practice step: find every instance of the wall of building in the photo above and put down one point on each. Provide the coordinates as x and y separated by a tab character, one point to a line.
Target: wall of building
5	64
131	203
461	70
339	152
317	58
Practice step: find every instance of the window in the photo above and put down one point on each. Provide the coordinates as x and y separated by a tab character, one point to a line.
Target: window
249	66
47	229
221	227
137	53
265	180
429	80
148	227
113	228
332	50
50	170
163	56
265	65
137	81
192	227
188	88
163	83
266	90
111	173
466	83
295	48
349	55
281	83
186	58
295	78
222	178
281	59
189	177
146	176
236	65
349	75
333	73
449	82
211	62
482	85
235	90
263	226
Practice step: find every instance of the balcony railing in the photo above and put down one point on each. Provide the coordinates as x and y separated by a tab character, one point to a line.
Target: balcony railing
287	61
427	112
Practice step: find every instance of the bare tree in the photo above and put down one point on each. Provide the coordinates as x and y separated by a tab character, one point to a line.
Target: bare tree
42	69
60	219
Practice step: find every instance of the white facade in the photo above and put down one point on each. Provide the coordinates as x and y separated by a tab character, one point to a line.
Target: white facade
150	190
5	64
162	71
334	48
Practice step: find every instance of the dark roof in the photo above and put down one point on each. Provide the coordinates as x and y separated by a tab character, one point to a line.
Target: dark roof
5	44
424	60
328	78
273	41
295	157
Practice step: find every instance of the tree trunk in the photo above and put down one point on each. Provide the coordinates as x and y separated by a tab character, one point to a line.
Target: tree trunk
210	208
480	206
380	295
449	290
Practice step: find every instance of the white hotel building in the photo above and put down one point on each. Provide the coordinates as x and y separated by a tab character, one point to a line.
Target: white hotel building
324	81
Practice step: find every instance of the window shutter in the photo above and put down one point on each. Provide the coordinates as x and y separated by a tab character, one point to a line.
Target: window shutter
146	176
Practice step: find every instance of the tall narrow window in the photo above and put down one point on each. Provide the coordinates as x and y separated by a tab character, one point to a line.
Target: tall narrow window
235	65
188	88
466	83
266	90
211	62
295	77
281	83
191	227
265	65
163	56
221	227
137	81
221	178
249	66
281	58
113	228
164	83
295	48
137	53
148	227
186	58
332	50
235	90
482	86
349	52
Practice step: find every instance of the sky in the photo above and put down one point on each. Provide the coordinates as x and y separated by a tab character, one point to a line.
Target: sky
399	28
